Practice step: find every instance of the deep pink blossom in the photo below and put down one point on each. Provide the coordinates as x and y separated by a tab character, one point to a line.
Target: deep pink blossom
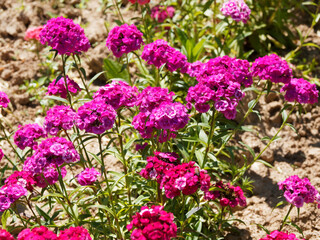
96	116
298	191
58	88
237	9
124	39
4	100
228	195
75	233
4	235
161	13
39	233
273	68
152	224
63	35
1	154
301	91
9	193
118	94
59	118
26	135
22	178
141	2
88	176
276	235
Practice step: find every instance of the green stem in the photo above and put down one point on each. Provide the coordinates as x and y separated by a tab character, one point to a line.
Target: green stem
65	79
130	81
231	135
108	186
83	147
118	11
81	76
265	148
213	123
286	217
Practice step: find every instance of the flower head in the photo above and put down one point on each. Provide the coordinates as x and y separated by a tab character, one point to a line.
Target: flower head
26	135
152	223
33	33
141	2
124	39
58	88
88	176
75	233
63	35
237	9
298	191
96	116
276	235
59	118
161	13
1	154
4	235
272	68
301	91
22	178
118	94
39	233
4	100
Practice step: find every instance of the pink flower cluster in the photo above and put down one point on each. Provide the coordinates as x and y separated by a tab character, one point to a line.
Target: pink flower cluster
124	39
159	53
272	68
51	154
75	233
158	165
96	116
9	193
33	33
158	112
26	135
1	154
161	13
237	9
152	223
227	195
301	91
21	178
298	191
4	235
185	178
58	88
39	233
63	35
220	81
141	2
276	235
58	118
118	94
4	100
88	176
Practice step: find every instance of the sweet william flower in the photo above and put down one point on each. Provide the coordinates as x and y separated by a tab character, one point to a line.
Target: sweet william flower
75	233
88	176
58	88
33	33
26	135
4	100
64	36
238	10
141	2
161	13
4	235
276	235
124	39
38	233
1	154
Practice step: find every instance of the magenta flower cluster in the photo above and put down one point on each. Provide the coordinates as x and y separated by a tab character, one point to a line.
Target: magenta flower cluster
4	235
39	233
228	195
88	176
124	39
9	193
158	164
185	178
159	53
118	94
152	223
4	100
96	116
64	36
1	154
33	33
59	118
238	10
276	235
21	178
161	13
26	135
301	91
298	191
273	68
75	233
58	88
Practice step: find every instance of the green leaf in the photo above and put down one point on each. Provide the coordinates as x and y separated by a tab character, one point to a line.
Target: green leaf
4	219
192	211
295	226
292	127
113	70
265	163
249	148
58	99
203	137
95	77
263	228
42	213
